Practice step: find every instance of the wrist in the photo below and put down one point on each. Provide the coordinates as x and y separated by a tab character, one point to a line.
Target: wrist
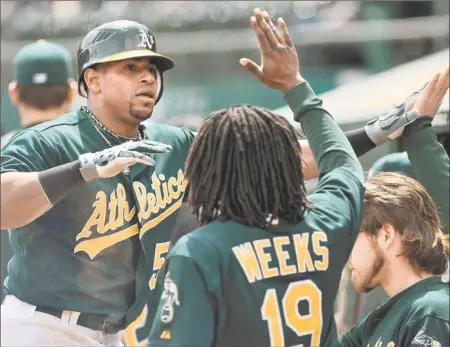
298	79
88	167
59	181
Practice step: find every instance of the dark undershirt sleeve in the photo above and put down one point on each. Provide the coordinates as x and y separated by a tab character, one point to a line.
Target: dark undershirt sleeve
360	142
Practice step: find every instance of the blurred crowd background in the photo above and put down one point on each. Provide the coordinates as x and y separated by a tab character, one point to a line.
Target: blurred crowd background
339	42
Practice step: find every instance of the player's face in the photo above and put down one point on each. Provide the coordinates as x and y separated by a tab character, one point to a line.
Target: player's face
131	86
365	263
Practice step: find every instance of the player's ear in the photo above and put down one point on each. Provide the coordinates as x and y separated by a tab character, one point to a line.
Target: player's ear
14	93
92	80
386	236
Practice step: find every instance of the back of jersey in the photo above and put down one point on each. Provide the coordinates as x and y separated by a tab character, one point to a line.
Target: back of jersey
279	286
228	284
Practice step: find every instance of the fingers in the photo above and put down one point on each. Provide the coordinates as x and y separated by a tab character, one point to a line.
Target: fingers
431	90
441	88
268	33
158	145
443	83
285	33
148	146
410	100
273	28
261	37
149	149
157	149
137	157
252	67
431	85
431	98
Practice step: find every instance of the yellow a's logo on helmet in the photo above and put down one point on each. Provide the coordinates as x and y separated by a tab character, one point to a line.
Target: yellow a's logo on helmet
147	41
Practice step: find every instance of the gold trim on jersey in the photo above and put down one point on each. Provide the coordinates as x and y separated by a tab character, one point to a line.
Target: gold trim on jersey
164	194
114	214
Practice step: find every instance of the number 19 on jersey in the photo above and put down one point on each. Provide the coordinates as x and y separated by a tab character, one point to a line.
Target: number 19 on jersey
309	324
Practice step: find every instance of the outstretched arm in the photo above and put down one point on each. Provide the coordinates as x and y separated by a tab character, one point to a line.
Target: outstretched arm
378	131
33	181
429	161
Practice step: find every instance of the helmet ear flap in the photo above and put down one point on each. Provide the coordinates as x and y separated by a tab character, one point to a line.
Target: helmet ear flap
160	79
82	88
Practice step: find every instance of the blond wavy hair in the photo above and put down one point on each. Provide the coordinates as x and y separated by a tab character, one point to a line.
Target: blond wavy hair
396	199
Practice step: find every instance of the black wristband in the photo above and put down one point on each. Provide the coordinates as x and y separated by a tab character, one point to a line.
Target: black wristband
59	181
360	141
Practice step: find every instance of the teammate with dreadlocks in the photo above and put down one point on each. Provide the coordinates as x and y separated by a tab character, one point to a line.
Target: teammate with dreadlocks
249	141
264	267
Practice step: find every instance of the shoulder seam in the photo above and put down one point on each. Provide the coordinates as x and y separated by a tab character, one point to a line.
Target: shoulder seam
426	316
48	143
60	124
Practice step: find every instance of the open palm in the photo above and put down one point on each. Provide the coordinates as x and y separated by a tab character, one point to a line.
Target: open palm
279	67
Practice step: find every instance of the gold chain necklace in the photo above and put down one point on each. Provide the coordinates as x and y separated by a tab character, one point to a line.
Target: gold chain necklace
98	125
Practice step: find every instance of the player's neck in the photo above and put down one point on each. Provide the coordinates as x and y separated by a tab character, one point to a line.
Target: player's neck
31	116
401	276
115	124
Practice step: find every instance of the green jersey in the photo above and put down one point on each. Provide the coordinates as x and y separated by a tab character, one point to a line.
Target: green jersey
416	317
85	254
423	151
158	204
228	284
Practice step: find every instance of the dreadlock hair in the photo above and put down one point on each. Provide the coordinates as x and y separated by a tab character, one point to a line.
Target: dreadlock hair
245	165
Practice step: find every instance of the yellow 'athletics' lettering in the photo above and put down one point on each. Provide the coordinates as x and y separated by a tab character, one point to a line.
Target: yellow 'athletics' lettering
165	194
112	215
255	257
119	213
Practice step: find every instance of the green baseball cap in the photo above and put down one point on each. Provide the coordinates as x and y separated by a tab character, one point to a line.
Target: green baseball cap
42	63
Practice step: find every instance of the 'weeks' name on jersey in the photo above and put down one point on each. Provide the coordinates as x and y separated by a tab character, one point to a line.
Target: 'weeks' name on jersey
255	257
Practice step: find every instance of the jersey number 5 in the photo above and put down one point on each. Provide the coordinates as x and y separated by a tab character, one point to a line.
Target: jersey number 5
300	324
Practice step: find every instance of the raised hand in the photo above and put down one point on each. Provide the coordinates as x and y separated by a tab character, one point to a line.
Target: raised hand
112	161
390	126
430	99
424	102
279	67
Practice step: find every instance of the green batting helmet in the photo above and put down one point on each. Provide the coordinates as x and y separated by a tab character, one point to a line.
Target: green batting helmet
118	40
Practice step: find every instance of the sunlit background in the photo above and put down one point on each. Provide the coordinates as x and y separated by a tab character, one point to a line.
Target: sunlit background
339	42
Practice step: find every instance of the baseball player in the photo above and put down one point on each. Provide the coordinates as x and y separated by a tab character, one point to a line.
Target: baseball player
81	192
402	246
43	86
42	89
259	271
435	180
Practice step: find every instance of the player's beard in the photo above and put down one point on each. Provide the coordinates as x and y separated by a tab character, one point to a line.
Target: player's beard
140	115
367	281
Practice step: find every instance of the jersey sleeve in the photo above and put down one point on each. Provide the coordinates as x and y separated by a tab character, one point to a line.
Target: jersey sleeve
429	331
187	138
425	152
185	314
28	151
353	337
341	177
